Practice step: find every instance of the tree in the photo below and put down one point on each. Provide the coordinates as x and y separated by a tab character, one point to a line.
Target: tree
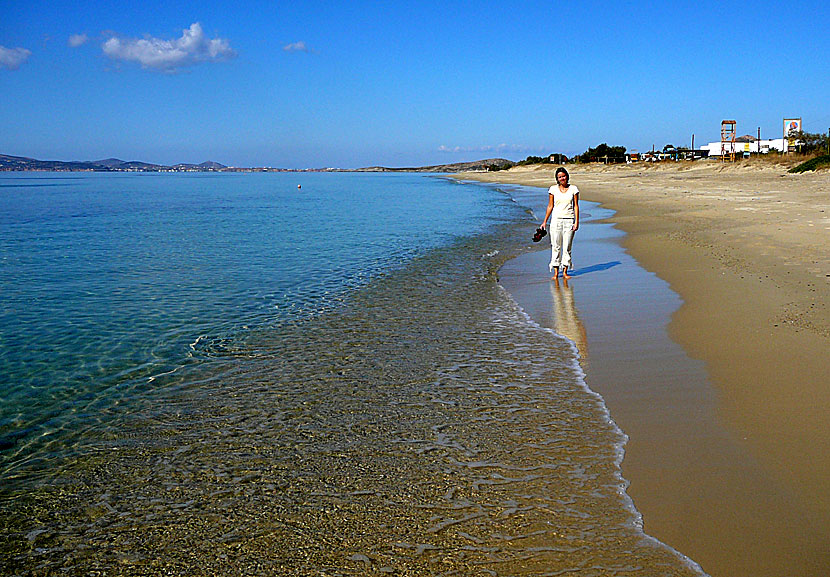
809	143
603	152
533	160
556	157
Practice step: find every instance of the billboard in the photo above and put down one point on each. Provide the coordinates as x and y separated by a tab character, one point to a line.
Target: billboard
792	126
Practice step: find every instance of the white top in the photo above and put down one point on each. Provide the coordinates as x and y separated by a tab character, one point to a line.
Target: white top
563	202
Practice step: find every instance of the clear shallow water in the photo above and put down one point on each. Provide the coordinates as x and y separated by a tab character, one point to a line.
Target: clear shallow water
110	281
230	375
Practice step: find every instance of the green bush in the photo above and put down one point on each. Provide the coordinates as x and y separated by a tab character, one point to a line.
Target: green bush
816	163
603	152
559	158
808	142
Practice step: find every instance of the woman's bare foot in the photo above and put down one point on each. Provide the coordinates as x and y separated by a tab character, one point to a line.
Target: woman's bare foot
565	274
555	274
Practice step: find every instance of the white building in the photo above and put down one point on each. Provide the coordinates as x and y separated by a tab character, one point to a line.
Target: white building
746	144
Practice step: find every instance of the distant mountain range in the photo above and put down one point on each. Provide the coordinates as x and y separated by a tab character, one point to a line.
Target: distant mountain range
20	163
106	165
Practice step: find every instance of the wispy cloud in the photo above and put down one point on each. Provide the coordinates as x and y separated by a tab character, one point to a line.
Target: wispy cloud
169	55
498	148
77	40
297	47
12	58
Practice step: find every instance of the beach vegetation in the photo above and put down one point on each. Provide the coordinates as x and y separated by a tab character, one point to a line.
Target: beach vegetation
817	163
603	153
554	158
533	160
810	143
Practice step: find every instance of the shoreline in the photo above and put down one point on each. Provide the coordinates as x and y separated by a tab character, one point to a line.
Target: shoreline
745	248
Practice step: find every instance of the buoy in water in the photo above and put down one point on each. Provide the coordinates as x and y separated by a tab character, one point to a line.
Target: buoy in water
299	186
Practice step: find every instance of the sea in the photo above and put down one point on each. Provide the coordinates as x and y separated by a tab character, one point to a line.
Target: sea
293	374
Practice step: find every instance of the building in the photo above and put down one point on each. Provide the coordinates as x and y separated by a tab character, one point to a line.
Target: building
747	145
667	154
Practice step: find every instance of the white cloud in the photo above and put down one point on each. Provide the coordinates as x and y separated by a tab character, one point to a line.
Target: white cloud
297	47
168	55
12	58
77	40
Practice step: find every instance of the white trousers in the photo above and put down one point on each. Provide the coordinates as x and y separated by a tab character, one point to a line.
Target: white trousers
561	239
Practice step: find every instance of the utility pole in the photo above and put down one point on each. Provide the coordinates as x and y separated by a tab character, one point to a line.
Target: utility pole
784	147
758	143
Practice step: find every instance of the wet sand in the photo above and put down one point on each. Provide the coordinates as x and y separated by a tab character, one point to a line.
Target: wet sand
724	394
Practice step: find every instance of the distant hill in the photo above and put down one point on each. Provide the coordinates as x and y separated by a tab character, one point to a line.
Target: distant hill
106	165
210	165
455	167
205	166
108	162
20	163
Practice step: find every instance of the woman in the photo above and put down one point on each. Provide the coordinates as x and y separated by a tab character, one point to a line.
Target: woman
563	204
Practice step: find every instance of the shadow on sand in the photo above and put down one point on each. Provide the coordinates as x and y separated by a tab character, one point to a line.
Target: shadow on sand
595	268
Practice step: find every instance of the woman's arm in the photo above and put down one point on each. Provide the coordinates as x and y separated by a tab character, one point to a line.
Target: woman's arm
548	211
576	212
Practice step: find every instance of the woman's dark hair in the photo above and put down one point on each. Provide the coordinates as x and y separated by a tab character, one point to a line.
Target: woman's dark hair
561	170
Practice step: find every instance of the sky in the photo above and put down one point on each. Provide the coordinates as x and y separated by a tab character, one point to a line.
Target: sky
352	84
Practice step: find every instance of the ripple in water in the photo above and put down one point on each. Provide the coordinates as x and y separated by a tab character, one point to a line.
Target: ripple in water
425	427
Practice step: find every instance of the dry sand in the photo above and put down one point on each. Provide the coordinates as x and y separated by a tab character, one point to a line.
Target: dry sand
747	249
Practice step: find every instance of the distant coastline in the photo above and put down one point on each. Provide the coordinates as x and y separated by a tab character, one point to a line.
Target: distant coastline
23	164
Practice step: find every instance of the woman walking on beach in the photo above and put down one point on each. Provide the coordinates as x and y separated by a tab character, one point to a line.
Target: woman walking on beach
563	204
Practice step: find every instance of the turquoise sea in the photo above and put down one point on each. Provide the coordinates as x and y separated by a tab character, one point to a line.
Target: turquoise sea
112	281
292	374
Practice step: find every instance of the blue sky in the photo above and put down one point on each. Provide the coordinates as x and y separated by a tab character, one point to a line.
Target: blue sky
312	84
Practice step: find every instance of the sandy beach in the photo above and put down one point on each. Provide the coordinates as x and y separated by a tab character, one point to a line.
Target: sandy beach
729	451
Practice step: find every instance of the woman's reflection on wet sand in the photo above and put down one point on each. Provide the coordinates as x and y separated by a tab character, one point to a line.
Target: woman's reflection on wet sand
566	318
